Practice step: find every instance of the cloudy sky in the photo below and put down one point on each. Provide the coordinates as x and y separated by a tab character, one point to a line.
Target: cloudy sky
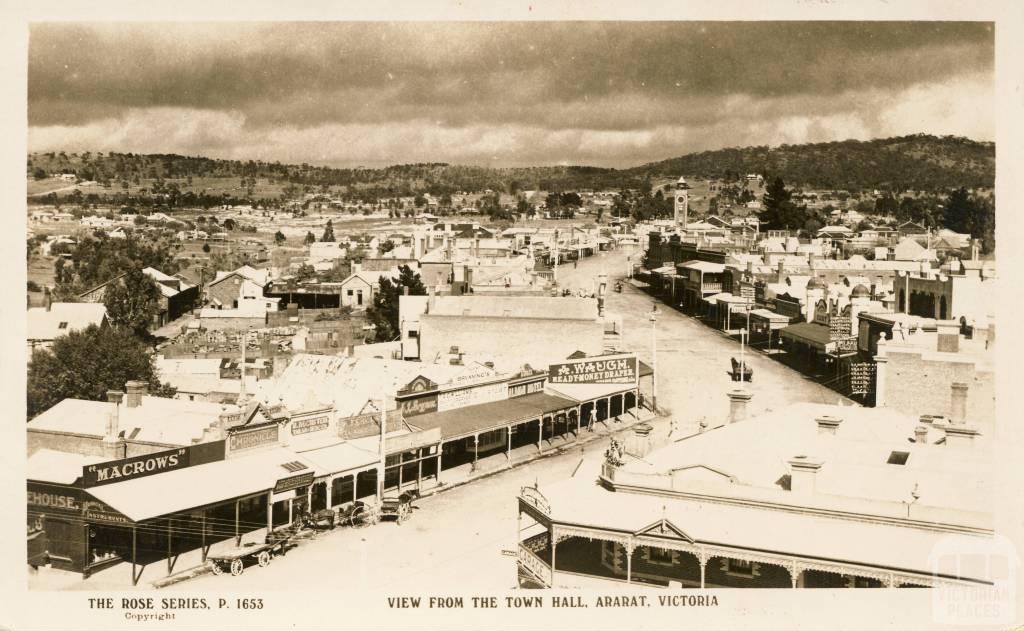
500	94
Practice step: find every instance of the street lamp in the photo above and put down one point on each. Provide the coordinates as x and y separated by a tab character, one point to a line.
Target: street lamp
654	356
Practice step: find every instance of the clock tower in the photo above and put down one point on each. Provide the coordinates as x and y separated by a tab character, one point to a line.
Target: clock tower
682	202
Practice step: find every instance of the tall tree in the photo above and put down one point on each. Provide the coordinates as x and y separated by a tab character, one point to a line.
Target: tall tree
383	313
328	235
132	301
779	210
85	364
959	212
279	238
310	238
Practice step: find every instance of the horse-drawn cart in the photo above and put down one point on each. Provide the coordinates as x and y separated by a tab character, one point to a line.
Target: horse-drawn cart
741	372
235	560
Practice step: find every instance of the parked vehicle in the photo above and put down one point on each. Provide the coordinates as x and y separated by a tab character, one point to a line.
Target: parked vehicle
234	561
747	372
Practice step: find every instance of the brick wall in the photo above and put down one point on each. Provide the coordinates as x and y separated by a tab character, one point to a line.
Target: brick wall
915	384
525	337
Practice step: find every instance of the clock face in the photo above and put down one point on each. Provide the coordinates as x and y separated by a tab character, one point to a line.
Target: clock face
680	199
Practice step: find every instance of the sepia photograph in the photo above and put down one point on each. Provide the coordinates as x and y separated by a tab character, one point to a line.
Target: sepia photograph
632	317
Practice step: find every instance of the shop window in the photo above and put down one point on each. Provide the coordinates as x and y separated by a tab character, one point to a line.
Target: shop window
341	490
280	513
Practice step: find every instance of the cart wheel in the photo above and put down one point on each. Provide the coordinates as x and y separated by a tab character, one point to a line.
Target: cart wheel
359	517
263	558
216	568
237	568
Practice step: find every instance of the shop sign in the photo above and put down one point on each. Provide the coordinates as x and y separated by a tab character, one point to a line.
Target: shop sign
253	438
414	440
463	397
307	425
524	389
54	499
839	327
136	467
861	375
847	345
821	312
364	425
595	370
418	405
96	511
294	482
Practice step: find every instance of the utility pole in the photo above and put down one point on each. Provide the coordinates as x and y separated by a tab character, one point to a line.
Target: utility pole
556	259
654	357
383	430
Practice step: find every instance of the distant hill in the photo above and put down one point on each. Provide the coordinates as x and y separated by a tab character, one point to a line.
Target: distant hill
918	162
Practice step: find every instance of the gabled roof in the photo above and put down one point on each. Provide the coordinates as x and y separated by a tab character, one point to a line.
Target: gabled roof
62	318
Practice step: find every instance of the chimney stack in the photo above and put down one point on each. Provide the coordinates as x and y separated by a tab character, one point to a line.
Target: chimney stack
802	473
738	400
958	403
112	443
828	424
948	336
780	272
136	390
921	435
47	298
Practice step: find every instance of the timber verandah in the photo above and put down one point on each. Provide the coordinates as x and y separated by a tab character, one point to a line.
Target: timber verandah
488	429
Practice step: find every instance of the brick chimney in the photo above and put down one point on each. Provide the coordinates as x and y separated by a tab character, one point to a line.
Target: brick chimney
47	298
136	390
958	403
638	444
780	272
948	336
921	435
738	400
802	473
113	444
828	424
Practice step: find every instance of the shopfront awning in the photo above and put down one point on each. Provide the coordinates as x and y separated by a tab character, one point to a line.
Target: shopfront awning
344	457
584	392
200	486
816	335
484	417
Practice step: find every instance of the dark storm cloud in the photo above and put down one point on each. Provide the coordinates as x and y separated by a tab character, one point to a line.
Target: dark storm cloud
610	77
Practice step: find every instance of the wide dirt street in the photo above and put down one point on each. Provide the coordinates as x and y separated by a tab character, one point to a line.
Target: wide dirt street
455	539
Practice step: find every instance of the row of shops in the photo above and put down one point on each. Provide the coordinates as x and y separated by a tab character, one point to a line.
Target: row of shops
271	466
823	343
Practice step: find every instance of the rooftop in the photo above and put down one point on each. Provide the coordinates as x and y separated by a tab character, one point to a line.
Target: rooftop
62	318
541	307
155	419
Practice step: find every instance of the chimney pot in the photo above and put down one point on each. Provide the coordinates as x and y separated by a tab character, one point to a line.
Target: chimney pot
828	424
115	396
